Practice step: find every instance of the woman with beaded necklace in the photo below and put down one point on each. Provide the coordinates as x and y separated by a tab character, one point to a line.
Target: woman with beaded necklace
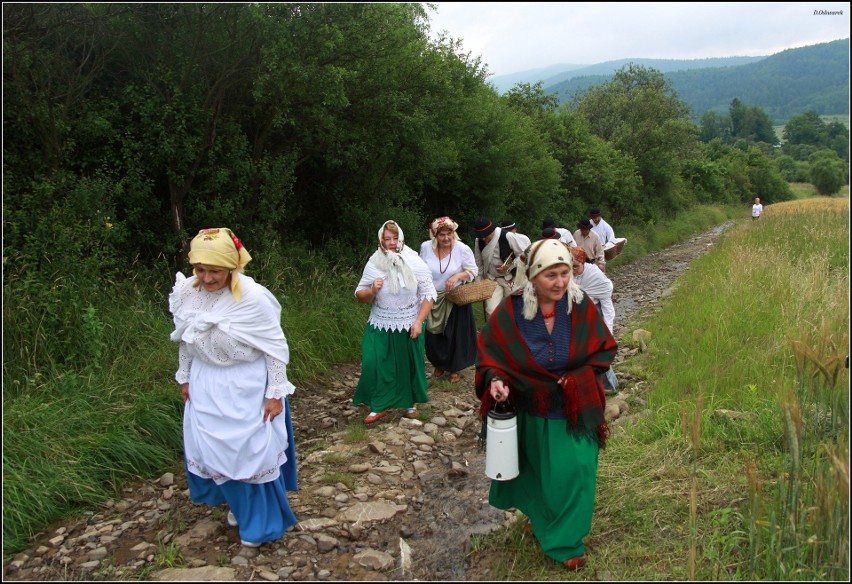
451	329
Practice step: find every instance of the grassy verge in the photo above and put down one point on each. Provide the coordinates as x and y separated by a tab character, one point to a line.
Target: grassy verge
739	467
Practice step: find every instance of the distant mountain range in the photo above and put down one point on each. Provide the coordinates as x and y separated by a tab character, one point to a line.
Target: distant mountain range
783	85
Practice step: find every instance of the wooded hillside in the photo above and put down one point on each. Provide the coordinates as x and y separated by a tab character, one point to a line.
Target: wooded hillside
814	78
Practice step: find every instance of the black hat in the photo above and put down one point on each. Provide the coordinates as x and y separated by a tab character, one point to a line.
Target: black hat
548	222
594	212
507	224
550	233
482	228
584	223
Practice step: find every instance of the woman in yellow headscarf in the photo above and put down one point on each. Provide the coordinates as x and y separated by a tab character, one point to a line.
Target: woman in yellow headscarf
238	447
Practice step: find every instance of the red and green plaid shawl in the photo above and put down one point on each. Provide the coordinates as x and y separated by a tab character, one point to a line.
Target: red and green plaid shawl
501	351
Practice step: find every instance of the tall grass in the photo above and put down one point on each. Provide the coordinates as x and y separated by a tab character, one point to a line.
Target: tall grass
89	397
761	326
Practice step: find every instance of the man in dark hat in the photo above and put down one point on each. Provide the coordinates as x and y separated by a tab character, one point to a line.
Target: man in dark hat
564	235
508	225
590	242
601	227
495	252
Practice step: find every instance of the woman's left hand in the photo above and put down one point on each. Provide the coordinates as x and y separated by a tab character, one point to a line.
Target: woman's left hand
416	329
273	408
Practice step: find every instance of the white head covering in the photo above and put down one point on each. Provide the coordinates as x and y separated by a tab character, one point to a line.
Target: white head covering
393	262
439	223
542	255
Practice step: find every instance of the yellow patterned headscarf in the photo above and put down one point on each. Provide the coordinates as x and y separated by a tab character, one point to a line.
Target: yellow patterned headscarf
221	248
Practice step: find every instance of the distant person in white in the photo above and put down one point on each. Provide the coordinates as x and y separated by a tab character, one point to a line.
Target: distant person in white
601	227
595	284
756	209
564	235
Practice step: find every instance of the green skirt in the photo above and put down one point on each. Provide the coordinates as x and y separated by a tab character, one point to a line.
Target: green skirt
555	487
393	370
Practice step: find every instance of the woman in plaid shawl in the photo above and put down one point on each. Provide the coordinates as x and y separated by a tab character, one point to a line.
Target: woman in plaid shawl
543	350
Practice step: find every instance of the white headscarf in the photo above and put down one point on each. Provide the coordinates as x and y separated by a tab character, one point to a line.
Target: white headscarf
541	255
394	262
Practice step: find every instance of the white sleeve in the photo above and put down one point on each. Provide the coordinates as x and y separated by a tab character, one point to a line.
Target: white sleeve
278	385
610	234
365	282
468	262
518	241
184	361
608	312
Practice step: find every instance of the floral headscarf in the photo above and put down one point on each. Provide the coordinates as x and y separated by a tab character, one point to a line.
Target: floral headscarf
437	224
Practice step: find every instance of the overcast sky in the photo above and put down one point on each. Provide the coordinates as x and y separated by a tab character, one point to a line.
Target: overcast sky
512	36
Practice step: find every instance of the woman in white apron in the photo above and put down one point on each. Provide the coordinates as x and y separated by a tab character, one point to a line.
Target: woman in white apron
238	436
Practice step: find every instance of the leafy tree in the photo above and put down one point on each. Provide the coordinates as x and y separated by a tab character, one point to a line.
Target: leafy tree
806	128
594	174
765	178
638	113
828	172
751	123
714	126
837	139
791	169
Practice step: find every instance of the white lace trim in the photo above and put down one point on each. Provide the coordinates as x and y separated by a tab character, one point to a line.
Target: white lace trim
217	347
397	312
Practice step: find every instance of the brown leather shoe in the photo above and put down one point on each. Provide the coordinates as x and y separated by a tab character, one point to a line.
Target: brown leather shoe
371	418
438	372
454	378
574	563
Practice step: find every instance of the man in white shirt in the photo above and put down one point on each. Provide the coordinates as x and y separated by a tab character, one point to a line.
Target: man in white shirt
564	235
496	252
601	227
756	209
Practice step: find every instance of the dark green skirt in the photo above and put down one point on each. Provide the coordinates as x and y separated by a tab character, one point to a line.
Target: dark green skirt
555	487
393	370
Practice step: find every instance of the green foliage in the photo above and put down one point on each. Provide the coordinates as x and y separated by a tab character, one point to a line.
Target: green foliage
639	114
827	172
791	169
751	123
783	85
808	133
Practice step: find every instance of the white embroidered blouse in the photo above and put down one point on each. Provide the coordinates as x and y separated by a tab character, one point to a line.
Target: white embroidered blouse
396	312
212	327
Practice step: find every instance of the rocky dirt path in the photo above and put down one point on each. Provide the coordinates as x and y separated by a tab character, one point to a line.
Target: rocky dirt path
399	501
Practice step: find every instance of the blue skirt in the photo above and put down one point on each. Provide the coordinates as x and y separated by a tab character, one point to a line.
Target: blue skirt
262	510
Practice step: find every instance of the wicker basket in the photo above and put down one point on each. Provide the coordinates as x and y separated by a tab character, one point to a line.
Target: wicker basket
475	291
614	248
